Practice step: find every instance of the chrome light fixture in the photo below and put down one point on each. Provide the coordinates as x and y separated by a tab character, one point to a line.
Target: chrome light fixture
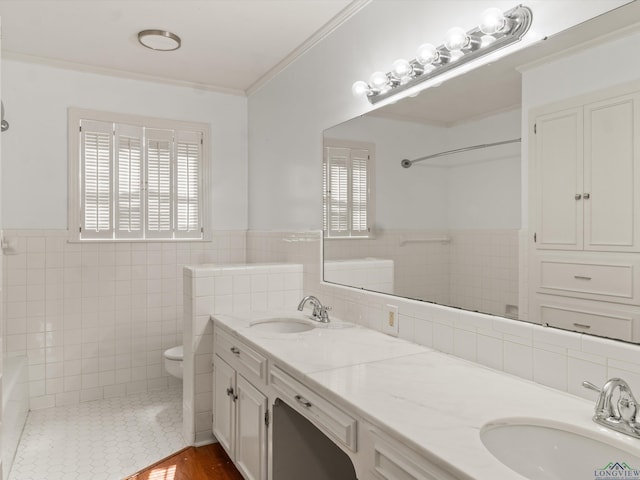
495	30
160	40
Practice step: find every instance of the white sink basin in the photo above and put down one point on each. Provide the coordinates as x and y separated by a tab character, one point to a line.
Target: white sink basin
283	325
543	451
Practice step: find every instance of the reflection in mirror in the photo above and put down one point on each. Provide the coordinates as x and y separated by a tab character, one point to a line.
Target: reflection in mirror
449	228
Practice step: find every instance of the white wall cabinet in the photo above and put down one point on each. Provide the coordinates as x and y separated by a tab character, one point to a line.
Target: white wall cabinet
585	204
240	417
586	171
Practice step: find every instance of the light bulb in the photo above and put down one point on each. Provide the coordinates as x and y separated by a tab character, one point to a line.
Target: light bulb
401	69
359	88
492	21
378	80
427	54
456	39
455	55
487	40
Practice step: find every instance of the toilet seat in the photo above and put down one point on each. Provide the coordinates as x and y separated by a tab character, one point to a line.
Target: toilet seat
175	353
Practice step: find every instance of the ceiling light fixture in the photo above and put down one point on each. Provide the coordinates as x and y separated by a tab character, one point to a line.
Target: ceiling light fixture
496	30
160	40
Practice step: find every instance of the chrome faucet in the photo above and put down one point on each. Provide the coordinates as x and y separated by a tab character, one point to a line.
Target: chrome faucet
320	313
618	415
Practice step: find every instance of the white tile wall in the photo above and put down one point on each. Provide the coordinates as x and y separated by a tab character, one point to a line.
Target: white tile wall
475	269
95	318
551	357
210	289
368	273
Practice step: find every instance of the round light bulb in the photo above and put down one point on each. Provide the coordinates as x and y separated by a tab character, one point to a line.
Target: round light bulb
360	88
401	69
456	39
487	40
427	54
492	21
378	80
455	55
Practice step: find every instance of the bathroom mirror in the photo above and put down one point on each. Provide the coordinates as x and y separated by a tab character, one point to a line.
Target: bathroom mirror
447	229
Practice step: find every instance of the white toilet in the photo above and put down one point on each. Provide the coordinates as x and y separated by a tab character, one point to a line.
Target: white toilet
173	361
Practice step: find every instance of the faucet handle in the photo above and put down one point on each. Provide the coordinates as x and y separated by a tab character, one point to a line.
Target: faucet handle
628	407
591	386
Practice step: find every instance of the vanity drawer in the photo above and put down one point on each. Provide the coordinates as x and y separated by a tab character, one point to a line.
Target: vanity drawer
326	416
393	461
240	356
612	281
595	318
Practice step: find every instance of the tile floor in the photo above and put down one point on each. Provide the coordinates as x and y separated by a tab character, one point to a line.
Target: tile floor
101	440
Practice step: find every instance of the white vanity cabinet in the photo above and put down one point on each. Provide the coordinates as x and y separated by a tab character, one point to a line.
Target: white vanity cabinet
240	409
391	460
585	199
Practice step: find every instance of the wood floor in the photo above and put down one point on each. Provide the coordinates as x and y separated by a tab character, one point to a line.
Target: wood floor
192	463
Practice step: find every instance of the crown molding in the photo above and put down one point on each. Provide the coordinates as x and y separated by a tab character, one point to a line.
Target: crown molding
344	15
81	67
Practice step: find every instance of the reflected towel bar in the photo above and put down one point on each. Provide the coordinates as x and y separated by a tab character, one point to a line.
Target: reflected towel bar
425	240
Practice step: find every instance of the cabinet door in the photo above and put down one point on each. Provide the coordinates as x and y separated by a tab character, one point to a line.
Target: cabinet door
251	443
611	170
558	180
224	391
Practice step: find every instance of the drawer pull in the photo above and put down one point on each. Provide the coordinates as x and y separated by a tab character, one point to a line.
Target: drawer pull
235	350
303	401
582	325
581	277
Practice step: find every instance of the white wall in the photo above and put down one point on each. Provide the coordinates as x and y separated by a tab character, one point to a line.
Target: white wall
34	169
93	319
287	116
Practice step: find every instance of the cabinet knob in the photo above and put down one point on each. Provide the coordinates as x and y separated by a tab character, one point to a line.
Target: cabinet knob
235	350
578	196
586	196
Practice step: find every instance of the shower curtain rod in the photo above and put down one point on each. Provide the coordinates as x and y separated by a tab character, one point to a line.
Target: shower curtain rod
406	163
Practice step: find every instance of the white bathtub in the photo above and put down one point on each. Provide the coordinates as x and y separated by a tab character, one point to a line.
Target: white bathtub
15	406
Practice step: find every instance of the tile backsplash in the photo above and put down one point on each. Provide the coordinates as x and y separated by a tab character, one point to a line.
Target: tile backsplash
94	318
555	358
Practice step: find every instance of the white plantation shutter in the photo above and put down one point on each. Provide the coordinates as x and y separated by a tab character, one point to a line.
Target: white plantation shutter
338	191
347	192
96	144
129	199
136	178
159	152
359	192
187	184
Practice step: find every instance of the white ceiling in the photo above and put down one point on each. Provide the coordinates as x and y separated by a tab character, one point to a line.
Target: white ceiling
227	45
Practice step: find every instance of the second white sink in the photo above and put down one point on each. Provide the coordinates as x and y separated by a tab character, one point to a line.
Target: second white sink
547	451
283	325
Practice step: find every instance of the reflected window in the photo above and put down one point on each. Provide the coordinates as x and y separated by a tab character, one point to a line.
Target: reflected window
347	189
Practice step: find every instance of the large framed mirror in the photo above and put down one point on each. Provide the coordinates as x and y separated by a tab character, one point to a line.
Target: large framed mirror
447	226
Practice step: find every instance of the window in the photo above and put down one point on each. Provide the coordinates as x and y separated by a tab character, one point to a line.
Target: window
135	178
347	187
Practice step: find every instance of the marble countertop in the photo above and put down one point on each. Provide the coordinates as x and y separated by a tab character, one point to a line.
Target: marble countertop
433	402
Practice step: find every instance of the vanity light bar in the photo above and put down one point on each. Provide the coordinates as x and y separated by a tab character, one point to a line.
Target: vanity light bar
495	31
